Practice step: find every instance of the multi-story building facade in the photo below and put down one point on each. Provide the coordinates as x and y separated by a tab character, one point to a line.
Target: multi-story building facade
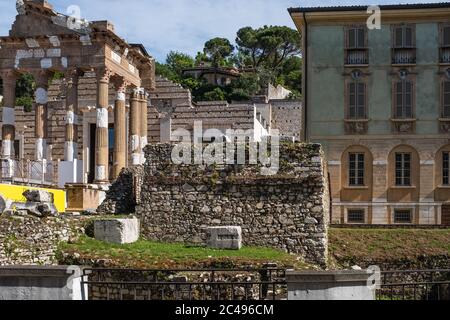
378	100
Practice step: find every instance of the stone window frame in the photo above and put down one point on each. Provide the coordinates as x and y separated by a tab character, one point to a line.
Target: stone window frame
443	47
358	47
403	46
403	172
349	80
445	109
439	164
359	180
409	79
415	167
368	167
362	211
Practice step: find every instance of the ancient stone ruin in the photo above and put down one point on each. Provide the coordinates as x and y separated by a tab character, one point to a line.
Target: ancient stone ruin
288	211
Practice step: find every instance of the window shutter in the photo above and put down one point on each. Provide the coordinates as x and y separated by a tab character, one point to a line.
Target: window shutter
361	38
352	38
446	36
398	37
352	99
446	99
399	99
361	100
408	99
409	42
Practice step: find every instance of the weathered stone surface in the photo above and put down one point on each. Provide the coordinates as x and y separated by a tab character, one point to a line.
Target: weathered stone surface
224	237
287	211
118	231
38	196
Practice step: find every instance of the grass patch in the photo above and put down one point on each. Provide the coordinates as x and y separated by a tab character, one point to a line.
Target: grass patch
387	244
148	254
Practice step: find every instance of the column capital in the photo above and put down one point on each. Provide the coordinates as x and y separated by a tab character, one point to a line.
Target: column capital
9	76
41	77
73	74
120	83
103	74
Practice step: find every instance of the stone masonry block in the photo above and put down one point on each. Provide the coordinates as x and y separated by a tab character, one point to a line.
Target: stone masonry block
118	231
224	237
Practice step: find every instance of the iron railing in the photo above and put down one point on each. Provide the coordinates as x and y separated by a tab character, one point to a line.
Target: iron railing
190	285
28	172
415	285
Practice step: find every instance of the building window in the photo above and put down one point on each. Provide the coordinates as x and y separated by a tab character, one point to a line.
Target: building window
404	45
445	44
404	90
357	100
356	46
356	169
403	169
446	99
356	216
403	216
445	168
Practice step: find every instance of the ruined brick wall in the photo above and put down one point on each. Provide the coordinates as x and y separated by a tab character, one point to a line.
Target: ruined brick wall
288	211
33	241
287	117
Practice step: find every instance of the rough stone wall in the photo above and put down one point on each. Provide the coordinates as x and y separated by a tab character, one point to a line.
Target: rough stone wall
288	211
33	241
124	193
287	117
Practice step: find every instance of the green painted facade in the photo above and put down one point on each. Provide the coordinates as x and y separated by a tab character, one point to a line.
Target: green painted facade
326	80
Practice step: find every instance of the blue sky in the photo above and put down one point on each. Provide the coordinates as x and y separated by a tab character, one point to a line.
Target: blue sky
181	25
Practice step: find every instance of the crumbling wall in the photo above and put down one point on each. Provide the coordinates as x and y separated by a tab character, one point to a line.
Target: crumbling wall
124	193
288	211
29	240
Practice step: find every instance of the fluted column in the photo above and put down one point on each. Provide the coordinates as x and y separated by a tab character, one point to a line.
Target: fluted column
120	135
40	117
144	125
70	147
135	127
8	115
102	141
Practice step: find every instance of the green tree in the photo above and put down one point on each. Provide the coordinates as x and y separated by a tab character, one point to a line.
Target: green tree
218	50
178	61
269	46
25	87
215	95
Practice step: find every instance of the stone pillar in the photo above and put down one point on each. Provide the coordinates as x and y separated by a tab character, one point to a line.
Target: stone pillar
102	141
8	113
70	147
120	134
144	125
135	127
41	127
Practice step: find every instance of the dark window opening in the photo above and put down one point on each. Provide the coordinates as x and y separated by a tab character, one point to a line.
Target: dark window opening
356	169
356	216
403	169
403	216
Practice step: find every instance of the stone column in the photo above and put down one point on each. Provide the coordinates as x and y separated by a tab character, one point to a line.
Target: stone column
8	113
102	141
120	134
41	128
144	125
135	127
70	147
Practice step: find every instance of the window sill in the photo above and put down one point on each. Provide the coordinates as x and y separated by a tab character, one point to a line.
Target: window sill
356	65
404	64
444	119
443	187
403	120
356	188
404	187
356	120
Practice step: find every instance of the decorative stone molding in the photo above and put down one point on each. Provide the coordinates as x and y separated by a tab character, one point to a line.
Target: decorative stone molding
444	125
404	126
356	127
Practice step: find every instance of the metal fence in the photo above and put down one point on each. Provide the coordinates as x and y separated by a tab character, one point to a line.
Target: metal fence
415	285
28	172
190	285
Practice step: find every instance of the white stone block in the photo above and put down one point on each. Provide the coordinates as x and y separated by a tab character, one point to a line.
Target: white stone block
224	237
118	231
